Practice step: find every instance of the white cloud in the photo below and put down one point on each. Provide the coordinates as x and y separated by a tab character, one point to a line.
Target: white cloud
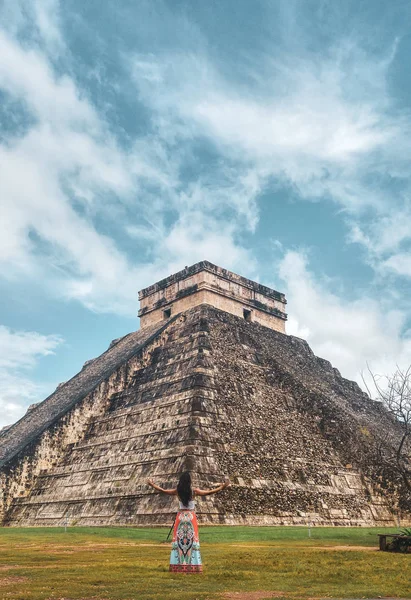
20	349
75	172
386	238
328	125
195	237
69	147
280	128
47	19
399	263
19	354
348	332
325	124
305	121
37	20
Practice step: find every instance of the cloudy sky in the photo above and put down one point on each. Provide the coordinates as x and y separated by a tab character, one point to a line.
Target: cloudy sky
136	137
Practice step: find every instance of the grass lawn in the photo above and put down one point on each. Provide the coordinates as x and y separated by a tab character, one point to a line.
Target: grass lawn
132	564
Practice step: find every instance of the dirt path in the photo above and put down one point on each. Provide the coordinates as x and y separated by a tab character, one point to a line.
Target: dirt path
60	549
266	595
252	595
329	548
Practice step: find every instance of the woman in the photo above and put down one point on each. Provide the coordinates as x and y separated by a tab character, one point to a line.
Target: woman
185	550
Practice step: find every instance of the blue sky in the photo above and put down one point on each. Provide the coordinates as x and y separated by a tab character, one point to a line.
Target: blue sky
272	138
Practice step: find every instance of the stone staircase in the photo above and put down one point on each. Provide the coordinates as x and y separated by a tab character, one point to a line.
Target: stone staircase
215	394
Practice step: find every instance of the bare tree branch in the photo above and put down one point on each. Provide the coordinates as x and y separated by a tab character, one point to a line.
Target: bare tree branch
394	391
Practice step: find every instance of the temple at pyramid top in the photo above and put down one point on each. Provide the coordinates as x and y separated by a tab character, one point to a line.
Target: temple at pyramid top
205	283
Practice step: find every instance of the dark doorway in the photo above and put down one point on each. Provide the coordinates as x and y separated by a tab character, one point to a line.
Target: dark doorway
247	315
167	313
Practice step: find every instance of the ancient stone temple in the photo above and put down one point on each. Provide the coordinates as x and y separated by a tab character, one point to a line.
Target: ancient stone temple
210	383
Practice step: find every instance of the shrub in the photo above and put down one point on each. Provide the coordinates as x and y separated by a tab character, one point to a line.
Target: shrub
402	543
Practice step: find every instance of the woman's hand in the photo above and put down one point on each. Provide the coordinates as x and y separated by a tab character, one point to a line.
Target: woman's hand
226	483
150	482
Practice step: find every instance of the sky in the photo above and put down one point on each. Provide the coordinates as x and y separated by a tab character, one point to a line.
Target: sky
270	137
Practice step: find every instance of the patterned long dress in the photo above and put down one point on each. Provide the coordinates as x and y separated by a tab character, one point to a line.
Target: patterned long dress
185	550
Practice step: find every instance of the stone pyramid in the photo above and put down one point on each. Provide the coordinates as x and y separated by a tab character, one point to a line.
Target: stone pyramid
210	383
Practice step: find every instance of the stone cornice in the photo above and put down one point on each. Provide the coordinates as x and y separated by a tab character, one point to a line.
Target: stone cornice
205	265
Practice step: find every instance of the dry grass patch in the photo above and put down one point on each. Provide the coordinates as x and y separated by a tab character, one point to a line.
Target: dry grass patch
12	580
346	548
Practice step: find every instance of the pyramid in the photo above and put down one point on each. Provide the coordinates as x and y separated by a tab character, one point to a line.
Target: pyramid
210	383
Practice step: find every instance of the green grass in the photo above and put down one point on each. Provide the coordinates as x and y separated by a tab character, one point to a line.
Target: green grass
128	564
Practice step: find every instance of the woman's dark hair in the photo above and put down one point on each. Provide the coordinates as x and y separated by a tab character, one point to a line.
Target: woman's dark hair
184	489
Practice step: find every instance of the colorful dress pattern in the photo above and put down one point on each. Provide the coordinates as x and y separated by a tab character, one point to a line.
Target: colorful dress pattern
185	550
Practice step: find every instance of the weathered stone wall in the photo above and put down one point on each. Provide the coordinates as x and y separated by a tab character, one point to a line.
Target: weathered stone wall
41	439
206	296
205	283
147	430
67	395
19	476
221	396
300	447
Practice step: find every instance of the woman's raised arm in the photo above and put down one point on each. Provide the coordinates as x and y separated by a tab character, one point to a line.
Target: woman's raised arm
221	487
172	492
